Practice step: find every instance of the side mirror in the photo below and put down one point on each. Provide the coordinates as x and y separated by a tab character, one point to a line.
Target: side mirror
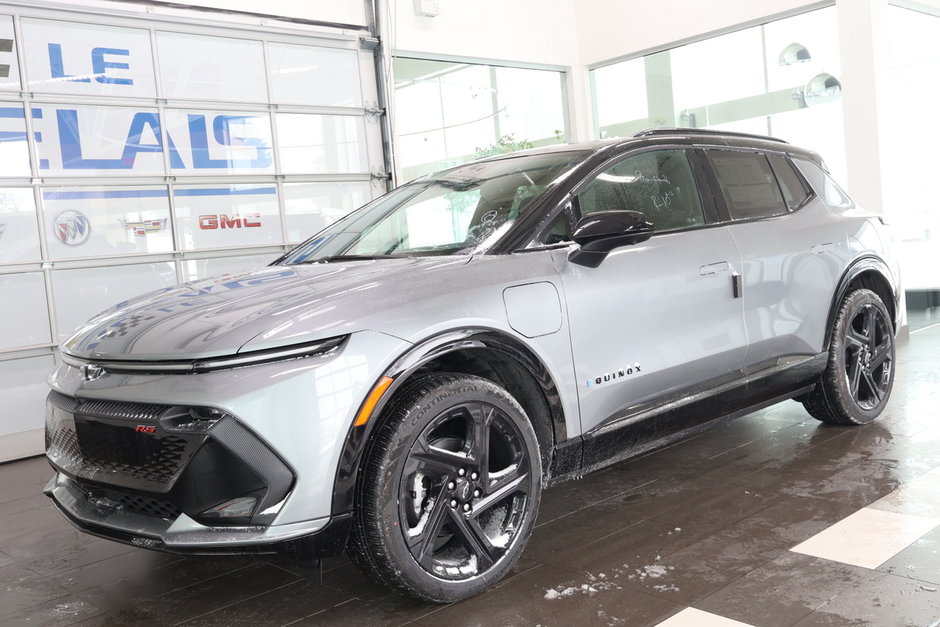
603	231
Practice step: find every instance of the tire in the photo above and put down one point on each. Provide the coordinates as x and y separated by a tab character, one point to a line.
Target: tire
857	382
449	491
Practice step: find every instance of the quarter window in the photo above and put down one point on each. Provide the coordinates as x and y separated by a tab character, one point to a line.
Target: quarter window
659	183
748	184
794	191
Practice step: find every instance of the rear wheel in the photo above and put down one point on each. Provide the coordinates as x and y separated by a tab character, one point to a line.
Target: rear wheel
857	382
450	489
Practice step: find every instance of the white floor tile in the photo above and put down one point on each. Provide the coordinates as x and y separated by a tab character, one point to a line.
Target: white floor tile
867	538
691	617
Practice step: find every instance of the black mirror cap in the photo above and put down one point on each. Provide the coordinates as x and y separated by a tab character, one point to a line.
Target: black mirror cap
603	231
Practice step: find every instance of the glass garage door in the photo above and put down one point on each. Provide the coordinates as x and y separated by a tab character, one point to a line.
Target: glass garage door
140	153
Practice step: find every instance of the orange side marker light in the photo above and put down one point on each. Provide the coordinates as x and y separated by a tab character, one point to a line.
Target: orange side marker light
372	400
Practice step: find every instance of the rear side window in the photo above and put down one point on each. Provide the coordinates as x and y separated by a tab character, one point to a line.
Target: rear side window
794	190
659	183
748	184
823	183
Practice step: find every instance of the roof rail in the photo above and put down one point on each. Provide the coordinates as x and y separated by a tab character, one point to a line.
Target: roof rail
703	131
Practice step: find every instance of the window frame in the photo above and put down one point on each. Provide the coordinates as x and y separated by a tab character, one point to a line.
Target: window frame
808	192
571	204
719	197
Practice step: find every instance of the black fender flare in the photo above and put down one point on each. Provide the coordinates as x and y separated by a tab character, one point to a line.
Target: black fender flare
860	265
357	438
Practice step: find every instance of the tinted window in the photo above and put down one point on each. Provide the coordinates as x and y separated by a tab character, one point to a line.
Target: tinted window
748	184
794	191
659	183
823	184
453	212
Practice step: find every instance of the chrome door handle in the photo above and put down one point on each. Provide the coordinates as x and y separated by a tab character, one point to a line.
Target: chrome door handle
714	268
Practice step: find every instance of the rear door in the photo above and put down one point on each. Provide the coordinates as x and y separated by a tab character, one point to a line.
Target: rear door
658	317
791	248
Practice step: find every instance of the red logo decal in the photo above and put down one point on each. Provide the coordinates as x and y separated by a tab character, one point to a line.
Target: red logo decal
222	221
145	429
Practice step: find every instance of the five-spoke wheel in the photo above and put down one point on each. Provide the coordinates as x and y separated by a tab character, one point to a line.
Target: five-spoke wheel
858	378
464	490
449	493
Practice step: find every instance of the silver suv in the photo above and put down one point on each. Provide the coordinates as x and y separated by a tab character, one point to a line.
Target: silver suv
405	383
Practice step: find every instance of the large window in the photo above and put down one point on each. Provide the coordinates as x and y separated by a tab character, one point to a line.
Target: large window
909	145
450	113
139	153
747	183
659	183
780	78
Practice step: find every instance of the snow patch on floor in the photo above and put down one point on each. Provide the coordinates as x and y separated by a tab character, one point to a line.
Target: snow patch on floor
593	584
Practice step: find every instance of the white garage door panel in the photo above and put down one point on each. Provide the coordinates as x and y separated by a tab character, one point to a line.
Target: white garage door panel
233	216
82	293
23	390
25	318
106	221
211	68
86	59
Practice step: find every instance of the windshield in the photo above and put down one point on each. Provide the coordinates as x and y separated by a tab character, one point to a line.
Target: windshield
454	212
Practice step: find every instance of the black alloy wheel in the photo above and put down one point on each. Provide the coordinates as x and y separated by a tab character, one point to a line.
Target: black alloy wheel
449	494
464	490
868	356
859	376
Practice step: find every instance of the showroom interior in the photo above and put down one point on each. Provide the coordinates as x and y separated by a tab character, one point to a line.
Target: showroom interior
111	116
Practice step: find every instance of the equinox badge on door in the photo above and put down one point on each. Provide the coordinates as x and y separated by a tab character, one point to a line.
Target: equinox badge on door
607	377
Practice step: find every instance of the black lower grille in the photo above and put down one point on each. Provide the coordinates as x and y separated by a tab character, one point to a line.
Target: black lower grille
148	506
116	450
129	502
121	449
163	460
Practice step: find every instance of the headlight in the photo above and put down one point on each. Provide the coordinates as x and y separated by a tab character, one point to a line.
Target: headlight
193	366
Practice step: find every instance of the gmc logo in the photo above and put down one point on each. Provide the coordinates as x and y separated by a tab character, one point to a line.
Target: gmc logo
145	429
222	221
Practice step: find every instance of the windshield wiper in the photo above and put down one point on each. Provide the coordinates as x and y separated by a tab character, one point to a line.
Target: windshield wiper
348	258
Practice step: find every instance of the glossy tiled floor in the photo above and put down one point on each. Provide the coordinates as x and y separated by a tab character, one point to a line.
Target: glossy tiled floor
697	534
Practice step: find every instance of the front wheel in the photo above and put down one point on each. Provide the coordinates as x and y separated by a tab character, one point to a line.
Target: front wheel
857	382
449	491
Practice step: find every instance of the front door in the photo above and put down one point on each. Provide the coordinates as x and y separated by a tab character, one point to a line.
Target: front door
660	317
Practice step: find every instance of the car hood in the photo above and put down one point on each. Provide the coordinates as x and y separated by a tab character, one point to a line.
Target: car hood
266	308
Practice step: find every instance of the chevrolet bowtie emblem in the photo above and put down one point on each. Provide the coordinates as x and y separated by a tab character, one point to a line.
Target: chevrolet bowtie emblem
90	372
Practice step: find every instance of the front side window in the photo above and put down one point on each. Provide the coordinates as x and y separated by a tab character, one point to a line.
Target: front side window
658	183
454	212
748	184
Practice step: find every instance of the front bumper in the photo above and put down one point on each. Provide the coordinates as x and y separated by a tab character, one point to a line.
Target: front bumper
299	410
152	475
308	539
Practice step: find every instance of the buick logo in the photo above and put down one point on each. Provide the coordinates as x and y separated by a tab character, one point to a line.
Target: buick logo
72	228
90	372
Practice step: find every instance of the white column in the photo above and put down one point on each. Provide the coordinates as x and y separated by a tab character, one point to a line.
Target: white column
862	44
580	118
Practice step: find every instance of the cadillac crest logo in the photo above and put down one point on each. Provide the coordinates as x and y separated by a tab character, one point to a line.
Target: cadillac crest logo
141	228
72	228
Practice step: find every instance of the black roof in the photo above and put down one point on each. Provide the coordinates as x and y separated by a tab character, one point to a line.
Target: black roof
691	136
